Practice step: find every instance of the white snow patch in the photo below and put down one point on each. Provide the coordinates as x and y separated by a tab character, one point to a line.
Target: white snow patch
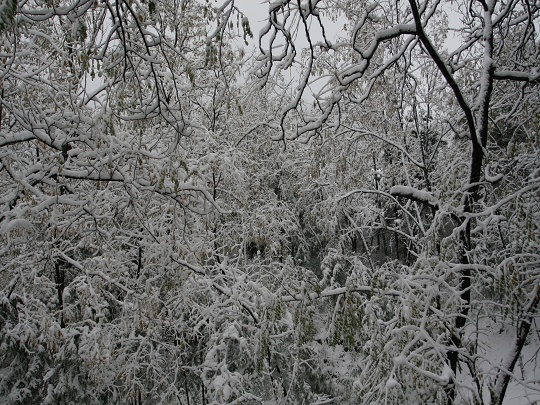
19	223
391	383
415	194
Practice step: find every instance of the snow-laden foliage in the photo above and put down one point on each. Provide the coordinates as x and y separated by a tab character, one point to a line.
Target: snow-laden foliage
348	213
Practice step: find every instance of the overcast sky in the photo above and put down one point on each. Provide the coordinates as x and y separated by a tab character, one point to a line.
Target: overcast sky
257	13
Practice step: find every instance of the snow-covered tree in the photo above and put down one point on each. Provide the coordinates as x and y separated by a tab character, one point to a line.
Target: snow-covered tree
337	216
433	130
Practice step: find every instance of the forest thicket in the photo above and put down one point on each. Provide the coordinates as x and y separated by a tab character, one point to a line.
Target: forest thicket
342	208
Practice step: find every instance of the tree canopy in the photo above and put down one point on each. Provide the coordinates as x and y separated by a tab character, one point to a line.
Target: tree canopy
343	207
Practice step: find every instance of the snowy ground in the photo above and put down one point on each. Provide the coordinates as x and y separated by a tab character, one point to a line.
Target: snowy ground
494	343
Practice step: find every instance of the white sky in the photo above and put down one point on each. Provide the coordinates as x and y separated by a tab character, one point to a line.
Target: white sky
257	13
